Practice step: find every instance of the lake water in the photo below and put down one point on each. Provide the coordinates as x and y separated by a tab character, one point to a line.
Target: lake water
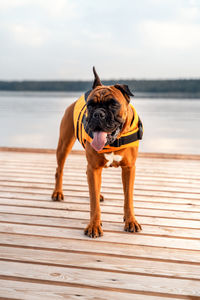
31	119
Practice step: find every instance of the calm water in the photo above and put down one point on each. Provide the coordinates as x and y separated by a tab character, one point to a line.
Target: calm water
32	119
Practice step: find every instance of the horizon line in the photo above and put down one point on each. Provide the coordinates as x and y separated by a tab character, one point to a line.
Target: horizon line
111	79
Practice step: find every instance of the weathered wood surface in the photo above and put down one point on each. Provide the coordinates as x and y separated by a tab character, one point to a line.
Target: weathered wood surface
45	255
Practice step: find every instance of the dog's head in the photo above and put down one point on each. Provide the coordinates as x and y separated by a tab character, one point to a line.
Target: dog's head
106	111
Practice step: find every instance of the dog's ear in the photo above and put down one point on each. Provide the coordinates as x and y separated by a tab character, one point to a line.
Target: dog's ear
124	89
97	80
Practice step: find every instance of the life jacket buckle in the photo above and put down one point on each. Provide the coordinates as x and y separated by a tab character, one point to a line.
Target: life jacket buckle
140	132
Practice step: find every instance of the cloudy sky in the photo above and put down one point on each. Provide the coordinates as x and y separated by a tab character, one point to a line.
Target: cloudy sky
63	39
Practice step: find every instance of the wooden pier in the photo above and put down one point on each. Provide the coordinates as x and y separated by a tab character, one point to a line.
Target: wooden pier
44	253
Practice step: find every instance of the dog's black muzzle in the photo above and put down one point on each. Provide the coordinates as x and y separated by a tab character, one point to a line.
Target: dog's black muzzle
99	114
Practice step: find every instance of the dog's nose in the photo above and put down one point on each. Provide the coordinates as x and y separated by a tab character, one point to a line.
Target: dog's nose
99	114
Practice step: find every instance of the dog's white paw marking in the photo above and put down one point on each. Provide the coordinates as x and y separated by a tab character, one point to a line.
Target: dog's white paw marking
111	157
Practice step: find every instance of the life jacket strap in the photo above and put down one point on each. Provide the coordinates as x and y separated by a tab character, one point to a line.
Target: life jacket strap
124	140
140	129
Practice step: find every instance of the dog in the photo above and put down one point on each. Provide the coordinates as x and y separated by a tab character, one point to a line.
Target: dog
108	127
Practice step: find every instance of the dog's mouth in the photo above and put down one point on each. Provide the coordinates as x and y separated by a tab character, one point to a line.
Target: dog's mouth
101	138
104	122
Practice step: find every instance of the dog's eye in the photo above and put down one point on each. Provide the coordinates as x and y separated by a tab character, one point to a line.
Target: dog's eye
89	107
114	104
90	104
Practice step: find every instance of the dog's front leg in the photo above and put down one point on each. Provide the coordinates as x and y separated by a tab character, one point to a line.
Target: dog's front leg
128	178
94	181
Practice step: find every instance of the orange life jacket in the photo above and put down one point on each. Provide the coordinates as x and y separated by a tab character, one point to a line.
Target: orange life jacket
83	134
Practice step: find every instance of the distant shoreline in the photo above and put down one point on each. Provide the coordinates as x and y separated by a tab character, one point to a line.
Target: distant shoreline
180	88
177	88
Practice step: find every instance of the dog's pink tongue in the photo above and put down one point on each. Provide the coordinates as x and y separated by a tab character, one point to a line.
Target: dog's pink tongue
99	140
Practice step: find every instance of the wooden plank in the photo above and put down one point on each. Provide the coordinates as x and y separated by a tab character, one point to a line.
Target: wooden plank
116	205
115	210
162	220
74	160
24	290
148	171
107	226
107	209
154	174
99	247
162	171
111	199
195	224
123	238
117	185
72	196
84	190
83	183
141	166
129	282
101	262
141	163
109	205
140	180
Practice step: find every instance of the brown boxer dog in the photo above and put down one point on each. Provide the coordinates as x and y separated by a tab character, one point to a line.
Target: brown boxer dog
108	141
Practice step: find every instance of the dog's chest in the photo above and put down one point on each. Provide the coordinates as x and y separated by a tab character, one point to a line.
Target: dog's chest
113	160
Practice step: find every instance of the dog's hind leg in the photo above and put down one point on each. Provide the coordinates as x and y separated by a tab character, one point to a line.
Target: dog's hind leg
65	144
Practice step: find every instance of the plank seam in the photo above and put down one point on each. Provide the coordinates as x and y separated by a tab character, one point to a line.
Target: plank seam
103	254
86	220
105	230
44	216
97	269
104	204
108	192
102	288
93	241
106	213
135	194
87	204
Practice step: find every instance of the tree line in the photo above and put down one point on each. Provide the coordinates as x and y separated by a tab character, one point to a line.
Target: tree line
144	86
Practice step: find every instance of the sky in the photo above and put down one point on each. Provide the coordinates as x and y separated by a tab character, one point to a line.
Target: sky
124	39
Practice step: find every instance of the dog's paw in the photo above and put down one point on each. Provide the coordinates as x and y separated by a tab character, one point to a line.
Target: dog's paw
132	225
93	230
57	196
101	198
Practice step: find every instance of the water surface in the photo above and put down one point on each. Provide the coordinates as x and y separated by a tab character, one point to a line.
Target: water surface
32	119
